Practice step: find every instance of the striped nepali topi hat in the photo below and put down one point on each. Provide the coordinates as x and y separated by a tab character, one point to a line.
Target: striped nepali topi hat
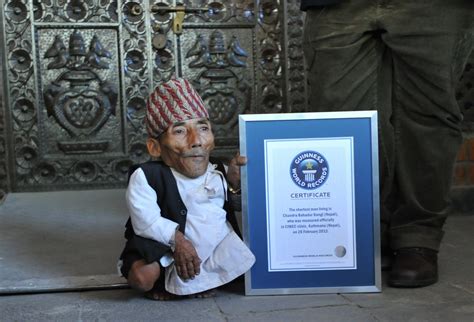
171	102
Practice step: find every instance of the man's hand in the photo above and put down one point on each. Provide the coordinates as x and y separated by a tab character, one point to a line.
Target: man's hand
186	259
233	171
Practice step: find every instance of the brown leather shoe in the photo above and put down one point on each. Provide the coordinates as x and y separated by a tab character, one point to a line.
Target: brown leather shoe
414	267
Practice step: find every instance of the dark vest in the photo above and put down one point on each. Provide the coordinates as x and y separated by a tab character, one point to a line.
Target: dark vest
161	179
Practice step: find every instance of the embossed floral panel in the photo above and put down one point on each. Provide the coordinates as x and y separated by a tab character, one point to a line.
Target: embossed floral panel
78	72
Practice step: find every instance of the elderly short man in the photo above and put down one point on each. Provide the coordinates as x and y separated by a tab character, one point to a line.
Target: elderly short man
181	236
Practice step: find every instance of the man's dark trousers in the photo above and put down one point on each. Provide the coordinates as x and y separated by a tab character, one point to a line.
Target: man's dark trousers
402	58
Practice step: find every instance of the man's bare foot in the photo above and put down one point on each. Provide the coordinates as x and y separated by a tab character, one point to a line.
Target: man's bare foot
203	295
157	295
161	295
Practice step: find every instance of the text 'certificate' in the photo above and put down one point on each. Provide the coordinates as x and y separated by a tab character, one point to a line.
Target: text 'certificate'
310	204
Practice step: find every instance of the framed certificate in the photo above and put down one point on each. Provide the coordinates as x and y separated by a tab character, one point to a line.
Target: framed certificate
310	202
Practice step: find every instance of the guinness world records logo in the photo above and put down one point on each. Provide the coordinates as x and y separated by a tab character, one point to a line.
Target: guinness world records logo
309	170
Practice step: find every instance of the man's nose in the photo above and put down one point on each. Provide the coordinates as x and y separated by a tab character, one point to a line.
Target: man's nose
194	139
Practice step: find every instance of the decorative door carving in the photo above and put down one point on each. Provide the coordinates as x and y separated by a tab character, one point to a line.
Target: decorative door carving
77	74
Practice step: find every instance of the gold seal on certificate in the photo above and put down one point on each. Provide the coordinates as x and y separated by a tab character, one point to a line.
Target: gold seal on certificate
340	251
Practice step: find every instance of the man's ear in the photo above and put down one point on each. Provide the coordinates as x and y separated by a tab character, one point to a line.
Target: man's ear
154	148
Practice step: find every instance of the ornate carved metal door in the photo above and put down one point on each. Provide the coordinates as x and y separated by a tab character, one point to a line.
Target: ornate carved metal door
77	74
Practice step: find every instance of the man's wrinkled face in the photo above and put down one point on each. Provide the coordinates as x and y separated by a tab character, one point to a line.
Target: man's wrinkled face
185	146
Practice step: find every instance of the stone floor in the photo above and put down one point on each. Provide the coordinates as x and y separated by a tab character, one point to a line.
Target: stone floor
46	264
451	299
61	239
74	241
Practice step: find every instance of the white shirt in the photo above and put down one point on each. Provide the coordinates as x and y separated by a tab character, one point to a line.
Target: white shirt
223	255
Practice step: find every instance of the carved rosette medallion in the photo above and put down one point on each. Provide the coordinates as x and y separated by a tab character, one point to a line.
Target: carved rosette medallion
78	74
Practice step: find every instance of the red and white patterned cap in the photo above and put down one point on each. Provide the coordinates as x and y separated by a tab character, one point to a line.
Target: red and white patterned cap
171	102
